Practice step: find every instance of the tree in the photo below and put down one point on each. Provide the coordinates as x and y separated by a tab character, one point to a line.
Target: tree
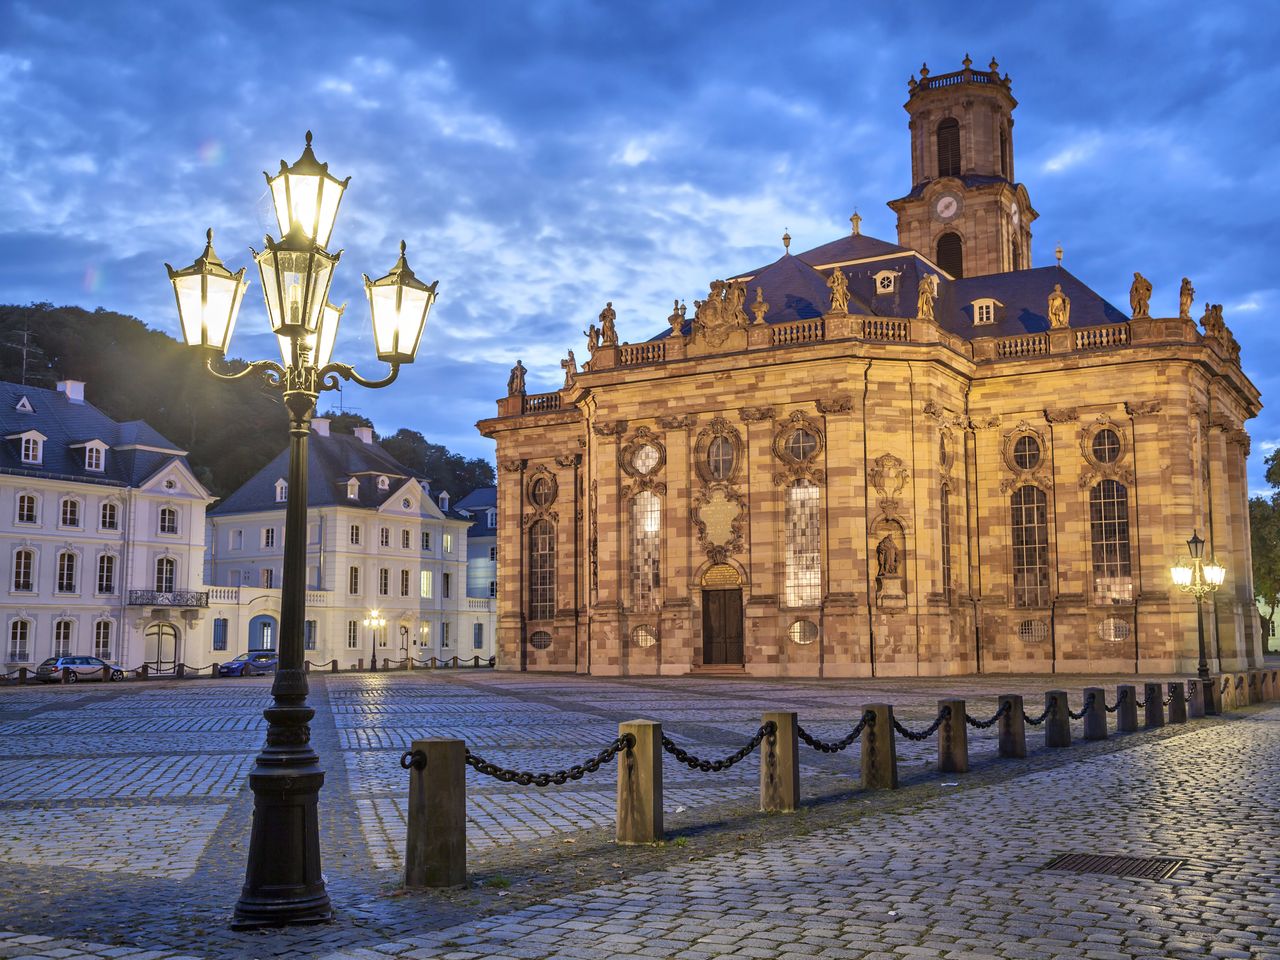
445	470
1264	540
347	422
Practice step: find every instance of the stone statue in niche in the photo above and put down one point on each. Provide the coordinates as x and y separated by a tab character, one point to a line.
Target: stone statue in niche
1186	294
887	557
1140	297
608	329
890	591
839	286
515	382
570	365
676	320
1059	308
925	295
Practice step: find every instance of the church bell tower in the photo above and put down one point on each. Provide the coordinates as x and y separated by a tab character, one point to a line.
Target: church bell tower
965	211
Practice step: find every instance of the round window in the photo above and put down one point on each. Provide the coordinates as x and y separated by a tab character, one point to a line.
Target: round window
1026	452
645	459
804	632
1106	446
542	492
643	636
1033	631
405	503
540	640
801	445
1113	630
720	458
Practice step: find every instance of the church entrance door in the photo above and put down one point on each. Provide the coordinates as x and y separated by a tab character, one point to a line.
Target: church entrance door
722	627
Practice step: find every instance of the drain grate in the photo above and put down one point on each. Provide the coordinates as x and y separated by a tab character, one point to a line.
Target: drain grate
1148	868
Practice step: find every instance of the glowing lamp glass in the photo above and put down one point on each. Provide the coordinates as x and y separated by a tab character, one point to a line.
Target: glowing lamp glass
1214	573
319	344
1181	574
399	304
209	297
295	284
306	197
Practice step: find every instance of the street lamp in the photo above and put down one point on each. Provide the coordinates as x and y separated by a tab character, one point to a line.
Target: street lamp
374	622
404	645
283	881
1198	577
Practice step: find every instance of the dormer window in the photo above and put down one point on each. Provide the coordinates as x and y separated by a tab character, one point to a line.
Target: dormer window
353	489
282	491
31	444
444	500
886	281
491	518
384	483
95	456
986	311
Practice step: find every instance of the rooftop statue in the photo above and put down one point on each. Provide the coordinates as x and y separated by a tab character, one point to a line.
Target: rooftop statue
839	286
608	332
1186	294
759	308
1140	297
570	365
1059	308
515	382
677	318
925	296
592	333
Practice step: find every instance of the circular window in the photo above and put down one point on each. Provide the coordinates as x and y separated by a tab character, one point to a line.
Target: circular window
1106	446
645	459
1033	631
801	445
542	492
1026	452
170	485
1113	630
643	636
720	458
405	503
803	632
540	640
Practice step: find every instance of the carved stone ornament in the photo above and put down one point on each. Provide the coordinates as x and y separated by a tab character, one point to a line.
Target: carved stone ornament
605	428
1061	414
946	449
1090	478
985	423
1241	438
836	403
678	423
888	475
569	460
756	414
718	427
541	490
792	464
513	466
1011	438
641	465
932	409
1142	408
1034	478
718	515
721	314
1087	434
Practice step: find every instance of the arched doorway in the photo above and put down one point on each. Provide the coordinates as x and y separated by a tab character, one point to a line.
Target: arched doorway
161	647
264	633
722	616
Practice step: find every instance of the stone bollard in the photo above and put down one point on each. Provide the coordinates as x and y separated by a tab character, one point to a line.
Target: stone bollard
1153	709
436	842
1126	708
1255	686
1269	684
779	765
306	666
1213	702
22	676
1095	714
1177	701
879	752
953	739
1057	724
640	784
144	671
213	670
1195	706
180	670
333	665
1013	728
359	663
106	674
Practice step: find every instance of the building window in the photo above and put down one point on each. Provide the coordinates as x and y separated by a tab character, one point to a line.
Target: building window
109	517
404	583
446	581
220	633
384	537
424	634
984	311
282	491
384	582
24	563
19	635
646	548
404	540
493	588
66	572
803	632
720	458
804	546
102	640
950	254
32	452
70	513
268	538
643	636
448	543
801	445
949	148
309	635
62	638
166	569
267	638
106	574
426	541
541	640
477	636
944	526
268	578
353	581
491	519
1026	452
355	534
384	483
1029	517
542	492
426	584
353	634
1033	631
1004	153
1106	446
542	570
493	554
93	459
1109	533
444	635
353	489
168	520
886	281
26	508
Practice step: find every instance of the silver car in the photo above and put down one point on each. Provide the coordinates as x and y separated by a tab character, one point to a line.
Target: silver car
79	668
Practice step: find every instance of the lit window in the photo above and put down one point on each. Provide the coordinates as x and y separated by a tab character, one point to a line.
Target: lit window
268	538
109	517
353	581
102	639
448	543
267	638
19	635
646	541
168	520
93	458
24	562
166	570
1030	527
1109	535
62	638
353	489
32	452
26	508
66	572
70	515
106	574
804	546
542	571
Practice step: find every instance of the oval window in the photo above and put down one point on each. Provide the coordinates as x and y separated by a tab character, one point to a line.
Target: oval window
643	636
720	458
801	445
1033	631
542	492
804	632
1113	630
1026	452
1106	446
540	640
645	459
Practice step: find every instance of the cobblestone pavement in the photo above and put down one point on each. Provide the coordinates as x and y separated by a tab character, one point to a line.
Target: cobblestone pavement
124	818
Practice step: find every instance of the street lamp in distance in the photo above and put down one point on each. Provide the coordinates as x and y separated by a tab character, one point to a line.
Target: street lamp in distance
1198	577
374	622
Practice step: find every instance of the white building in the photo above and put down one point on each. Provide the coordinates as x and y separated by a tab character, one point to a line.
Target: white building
481	505
102	530
376	540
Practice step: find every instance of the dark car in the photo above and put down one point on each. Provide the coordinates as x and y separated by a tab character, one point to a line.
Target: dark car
251	664
78	668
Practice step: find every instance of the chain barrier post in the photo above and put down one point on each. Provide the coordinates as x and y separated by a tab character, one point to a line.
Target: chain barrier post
106	674
1057	724
1255	686
1269	684
1177	701
145	671
213	670
953	738
22	676
1095	713
1013	727
879	753
1213	705
1153	708
1227	696
436	844
179	671
1195	699
640	784
1126	708
779	764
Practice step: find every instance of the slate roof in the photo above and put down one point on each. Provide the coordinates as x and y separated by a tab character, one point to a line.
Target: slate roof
477	502
65	423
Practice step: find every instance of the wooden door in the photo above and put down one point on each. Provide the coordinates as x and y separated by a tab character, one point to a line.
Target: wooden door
722	627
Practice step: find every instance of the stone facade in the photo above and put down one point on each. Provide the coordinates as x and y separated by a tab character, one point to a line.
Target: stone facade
893	469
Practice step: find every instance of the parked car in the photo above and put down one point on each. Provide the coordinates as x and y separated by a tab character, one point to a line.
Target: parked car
251	664
81	668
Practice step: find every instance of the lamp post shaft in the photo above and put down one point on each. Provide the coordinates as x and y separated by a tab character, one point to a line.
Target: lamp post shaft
283	883
1203	670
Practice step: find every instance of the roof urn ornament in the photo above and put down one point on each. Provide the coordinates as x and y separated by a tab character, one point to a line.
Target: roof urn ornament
759	308
515	382
925	295
856	220
1057	252
839	286
786	240
1059	309
676	320
1186	294
1140	297
608	331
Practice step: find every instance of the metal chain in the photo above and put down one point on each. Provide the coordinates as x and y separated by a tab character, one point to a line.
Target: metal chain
985	724
1140	704
1240	682
576	772
1088	705
1190	691
1169	699
710	766
1226	682
835	746
1049	711
1124	694
928	731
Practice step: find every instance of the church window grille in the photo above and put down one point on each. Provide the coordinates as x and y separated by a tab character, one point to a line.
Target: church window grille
803	632
542	571
801	445
949	148
1030	526
804	547
950	254
1106	446
541	640
1033	631
1026	452
720	458
644	459
643	636
944	525
646	548
1113	630
1109	533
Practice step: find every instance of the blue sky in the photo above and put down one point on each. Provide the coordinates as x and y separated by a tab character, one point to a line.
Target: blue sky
541	158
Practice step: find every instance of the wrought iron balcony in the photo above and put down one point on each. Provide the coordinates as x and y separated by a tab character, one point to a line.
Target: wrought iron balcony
174	598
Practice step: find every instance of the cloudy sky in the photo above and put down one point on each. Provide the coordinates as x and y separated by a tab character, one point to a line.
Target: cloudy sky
543	157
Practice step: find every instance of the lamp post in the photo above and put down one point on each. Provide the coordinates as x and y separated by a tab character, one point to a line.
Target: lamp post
374	622
283	882
404	645
1198	577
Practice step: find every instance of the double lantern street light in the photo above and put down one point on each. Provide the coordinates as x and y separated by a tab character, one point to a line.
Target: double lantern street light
374	622
1198	577
283	882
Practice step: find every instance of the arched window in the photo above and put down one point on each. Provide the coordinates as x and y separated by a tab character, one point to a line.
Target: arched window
24	565
949	148
804	546
62	637
108	517
19	640
66	572
950	254
168	520
102	639
1029	520
542	571
944	505
26	508
106	573
1109	535
70	516
646	548
166	568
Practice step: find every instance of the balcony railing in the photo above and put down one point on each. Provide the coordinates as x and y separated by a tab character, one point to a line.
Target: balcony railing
1030	345
1095	338
880	328
635	354
797	331
173	598
541	402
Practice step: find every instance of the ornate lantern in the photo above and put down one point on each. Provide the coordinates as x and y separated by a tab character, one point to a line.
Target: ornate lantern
306	197
399	303
209	297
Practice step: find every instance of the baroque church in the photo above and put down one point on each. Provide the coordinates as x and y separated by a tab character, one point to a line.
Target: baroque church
870	458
